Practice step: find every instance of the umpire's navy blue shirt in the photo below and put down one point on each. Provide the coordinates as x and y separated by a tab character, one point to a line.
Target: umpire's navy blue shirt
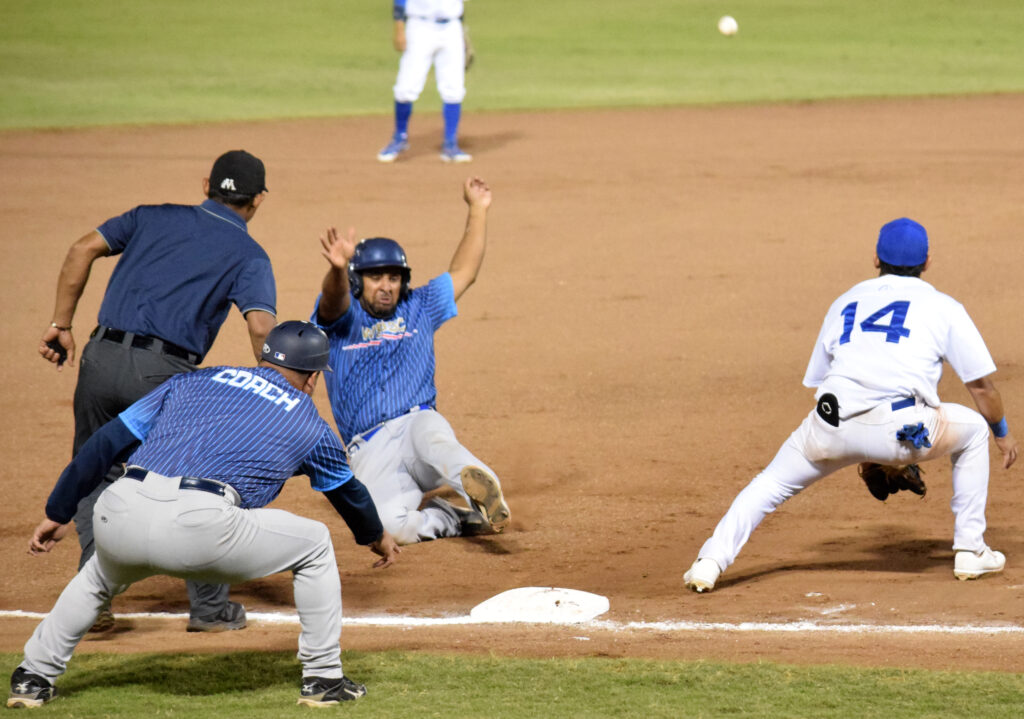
180	270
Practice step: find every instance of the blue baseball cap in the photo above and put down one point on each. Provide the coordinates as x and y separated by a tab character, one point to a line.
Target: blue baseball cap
902	243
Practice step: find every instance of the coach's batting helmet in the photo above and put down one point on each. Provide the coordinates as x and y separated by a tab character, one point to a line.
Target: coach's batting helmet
376	252
297	345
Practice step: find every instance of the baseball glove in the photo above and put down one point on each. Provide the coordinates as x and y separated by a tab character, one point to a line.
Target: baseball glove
470	55
883	480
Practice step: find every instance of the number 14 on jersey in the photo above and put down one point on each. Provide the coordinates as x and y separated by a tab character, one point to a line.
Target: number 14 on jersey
894	330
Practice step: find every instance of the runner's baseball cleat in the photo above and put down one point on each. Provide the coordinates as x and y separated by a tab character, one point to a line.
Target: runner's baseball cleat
322	692
29	691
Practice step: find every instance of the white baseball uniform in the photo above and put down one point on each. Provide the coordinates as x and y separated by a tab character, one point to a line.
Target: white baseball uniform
433	36
880	353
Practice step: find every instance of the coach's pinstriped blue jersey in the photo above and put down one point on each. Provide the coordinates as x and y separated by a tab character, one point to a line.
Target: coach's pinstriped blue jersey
246	427
382	368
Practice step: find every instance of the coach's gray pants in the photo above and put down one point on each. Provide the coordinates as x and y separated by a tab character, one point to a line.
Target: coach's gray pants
153	527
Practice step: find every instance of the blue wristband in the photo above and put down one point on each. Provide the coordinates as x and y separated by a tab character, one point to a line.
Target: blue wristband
999	429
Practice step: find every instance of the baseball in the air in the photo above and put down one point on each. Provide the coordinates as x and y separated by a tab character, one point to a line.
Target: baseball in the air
728	26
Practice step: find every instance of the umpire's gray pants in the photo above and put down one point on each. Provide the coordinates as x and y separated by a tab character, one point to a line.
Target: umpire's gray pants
111	377
153	527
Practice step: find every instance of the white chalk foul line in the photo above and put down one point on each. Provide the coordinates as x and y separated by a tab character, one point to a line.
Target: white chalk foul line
607	625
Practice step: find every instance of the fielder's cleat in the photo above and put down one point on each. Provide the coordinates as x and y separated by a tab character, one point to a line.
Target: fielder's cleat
399	144
104	622
231	617
485	495
702	575
971	565
29	691
450	152
321	692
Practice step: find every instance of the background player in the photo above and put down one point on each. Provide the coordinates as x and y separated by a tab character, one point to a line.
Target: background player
181	268
429	32
382	388
189	505
877	364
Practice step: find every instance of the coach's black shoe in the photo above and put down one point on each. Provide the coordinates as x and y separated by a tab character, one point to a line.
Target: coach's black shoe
231	617
322	692
29	691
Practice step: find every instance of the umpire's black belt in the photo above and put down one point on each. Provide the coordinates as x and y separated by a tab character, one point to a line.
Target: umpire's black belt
146	343
203	485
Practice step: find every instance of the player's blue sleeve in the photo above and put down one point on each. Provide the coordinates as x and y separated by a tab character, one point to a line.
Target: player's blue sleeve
326	464
341	325
87	469
118	230
254	289
139	417
398	10
441	300
355	505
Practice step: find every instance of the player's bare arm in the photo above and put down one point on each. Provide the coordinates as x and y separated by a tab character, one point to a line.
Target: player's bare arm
990	404
337	250
70	284
469	255
259	323
399	35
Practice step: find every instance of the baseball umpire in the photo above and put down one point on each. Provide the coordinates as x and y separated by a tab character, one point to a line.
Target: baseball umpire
429	32
181	268
382	390
210	449
876	365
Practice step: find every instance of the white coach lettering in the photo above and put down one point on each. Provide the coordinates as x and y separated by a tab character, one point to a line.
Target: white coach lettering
224	375
271	392
257	384
240	379
288	401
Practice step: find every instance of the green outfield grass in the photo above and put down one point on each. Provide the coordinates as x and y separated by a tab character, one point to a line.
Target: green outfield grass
265	684
96	62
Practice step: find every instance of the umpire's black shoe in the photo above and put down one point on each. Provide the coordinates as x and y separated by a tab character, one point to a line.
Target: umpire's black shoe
29	691
231	617
322	692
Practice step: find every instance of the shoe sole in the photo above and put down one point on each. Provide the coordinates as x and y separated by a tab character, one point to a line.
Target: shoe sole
386	158
485	494
698	585
963	576
26	703
213	628
457	160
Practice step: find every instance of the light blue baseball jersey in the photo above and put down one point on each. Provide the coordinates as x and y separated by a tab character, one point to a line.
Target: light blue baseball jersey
385	367
246	427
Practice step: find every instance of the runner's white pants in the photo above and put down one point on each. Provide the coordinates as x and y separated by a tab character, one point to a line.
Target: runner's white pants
406	458
153	527
817	449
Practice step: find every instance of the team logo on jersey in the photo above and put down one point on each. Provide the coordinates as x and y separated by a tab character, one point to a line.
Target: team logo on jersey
249	382
384	331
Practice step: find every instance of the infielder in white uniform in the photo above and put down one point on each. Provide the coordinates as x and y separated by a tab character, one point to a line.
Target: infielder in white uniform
877	364
429	32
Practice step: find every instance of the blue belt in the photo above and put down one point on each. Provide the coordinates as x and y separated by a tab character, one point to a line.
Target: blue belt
903	403
203	485
365	436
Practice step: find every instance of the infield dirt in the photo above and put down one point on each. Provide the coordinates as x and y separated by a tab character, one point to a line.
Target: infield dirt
629	358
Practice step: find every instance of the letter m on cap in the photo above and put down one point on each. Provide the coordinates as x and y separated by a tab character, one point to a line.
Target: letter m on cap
228	184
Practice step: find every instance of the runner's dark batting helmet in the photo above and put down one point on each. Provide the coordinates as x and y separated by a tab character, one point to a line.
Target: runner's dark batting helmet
377	252
297	345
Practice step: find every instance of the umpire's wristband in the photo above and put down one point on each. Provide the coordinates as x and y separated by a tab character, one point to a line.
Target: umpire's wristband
999	429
